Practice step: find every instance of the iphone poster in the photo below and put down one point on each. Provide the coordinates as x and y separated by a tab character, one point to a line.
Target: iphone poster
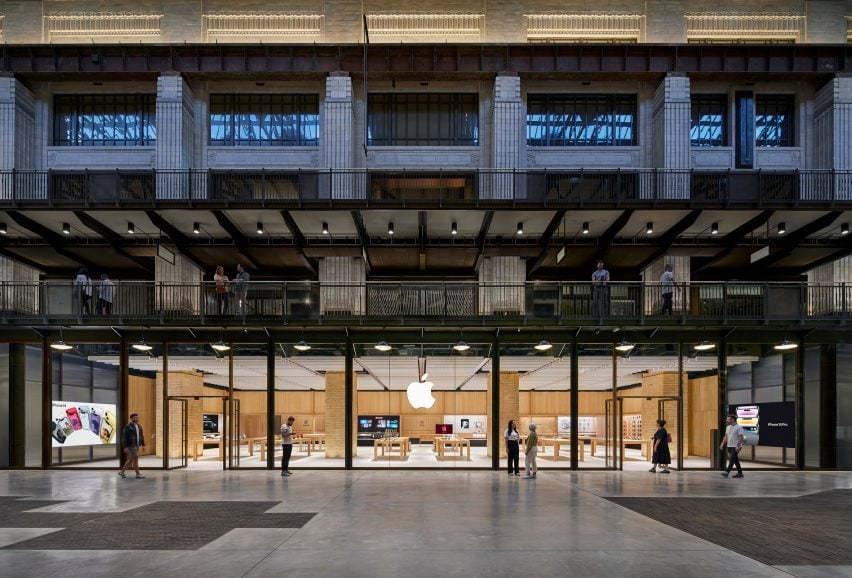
82	424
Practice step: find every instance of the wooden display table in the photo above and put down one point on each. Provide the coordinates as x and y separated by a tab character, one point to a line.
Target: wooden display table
314	440
556	444
197	448
646	447
460	445
387	447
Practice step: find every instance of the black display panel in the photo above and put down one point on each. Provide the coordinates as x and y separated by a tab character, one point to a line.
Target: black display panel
767	424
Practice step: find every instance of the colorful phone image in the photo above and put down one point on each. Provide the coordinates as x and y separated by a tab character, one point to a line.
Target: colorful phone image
57	433
108	427
747	411
74	418
66	426
747	421
96	419
83	410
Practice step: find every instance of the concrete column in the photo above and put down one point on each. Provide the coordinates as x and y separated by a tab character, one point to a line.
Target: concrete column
17	134
509	405
336	137
335	414
651	278
671	138
833	133
175	119
23	295
509	139
178	285
502	286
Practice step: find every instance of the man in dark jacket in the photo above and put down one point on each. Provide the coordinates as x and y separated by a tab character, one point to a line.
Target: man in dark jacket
132	439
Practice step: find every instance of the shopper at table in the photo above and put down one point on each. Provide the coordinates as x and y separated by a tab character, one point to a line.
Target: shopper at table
513	448
661	455
531	453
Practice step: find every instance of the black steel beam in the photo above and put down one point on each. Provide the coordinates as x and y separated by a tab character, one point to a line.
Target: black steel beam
299	242
734	238
544	241
56	241
363	238
787	244
480	239
114	239
179	239
669	237
240	240
606	239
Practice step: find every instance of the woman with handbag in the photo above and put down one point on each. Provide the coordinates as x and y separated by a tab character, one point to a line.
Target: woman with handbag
661	455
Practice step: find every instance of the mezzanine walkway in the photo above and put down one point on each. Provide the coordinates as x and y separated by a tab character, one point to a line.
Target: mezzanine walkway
439	523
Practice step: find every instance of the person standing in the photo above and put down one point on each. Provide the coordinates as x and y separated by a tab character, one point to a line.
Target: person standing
667	281
733	440
221	281
241	281
600	290
106	291
287	446
661	455
530	453
132	439
83	288
513	448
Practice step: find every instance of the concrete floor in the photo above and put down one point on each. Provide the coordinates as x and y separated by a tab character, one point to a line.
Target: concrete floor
411	523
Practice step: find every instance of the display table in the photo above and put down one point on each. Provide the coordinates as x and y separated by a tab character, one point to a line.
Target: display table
646	447
386	445
315	441
556	444
455	445
197	449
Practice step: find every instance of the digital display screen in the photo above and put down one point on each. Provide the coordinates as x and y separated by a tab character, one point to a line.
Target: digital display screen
443	428
767	424
82	424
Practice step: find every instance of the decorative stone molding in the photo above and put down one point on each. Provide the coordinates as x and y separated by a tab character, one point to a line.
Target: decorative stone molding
251	24
101	24
744	27
392	26
585	27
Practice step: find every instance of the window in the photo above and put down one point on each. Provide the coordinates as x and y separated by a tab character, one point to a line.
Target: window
709	125
581	120
432	119
773	120
113	120
264	119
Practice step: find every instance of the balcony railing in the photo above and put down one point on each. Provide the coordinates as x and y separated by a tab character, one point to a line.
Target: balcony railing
395	187
429	302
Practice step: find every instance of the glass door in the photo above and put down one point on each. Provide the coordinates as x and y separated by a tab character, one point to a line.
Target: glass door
614	434
178	434
236	439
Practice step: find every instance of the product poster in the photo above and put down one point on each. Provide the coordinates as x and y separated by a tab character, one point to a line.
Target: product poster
82	424
468	424
767	424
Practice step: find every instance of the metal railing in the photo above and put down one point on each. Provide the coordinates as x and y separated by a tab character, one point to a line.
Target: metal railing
419	302
396	186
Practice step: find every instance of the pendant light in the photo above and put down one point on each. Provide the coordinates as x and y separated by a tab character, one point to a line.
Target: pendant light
705	346
302	345
625	347
461	345
383	346
61	345
786	345
543	345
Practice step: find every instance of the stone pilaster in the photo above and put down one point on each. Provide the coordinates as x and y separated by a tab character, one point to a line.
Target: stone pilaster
510	402
671	137
509	139
175	119
833	132
342	288
501	286
653	293
177	284
336	136
17	131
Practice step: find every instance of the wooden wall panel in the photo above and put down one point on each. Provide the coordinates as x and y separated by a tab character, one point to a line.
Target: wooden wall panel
704	414
550	403
142	399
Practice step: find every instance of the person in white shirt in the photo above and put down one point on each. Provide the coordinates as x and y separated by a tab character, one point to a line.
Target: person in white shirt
513	448
733	440
667	289
287	446
105	294
83	290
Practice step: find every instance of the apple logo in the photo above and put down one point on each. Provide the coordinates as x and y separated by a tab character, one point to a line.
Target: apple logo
420	394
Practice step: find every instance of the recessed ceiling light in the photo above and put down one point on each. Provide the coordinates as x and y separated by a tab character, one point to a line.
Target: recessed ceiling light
259	228
649	228
585	228
131	228
324	228
196	228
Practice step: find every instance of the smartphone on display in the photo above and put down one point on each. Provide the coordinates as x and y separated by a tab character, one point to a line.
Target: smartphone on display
108	427
83	410
95	418
74	418
57	433
66	426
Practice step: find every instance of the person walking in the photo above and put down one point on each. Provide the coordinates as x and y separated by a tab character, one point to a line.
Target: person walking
661	455
530	453
221	281
132	438
733	440
513	448
241	281
600	290
667	281
83	290
106	290
287	446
